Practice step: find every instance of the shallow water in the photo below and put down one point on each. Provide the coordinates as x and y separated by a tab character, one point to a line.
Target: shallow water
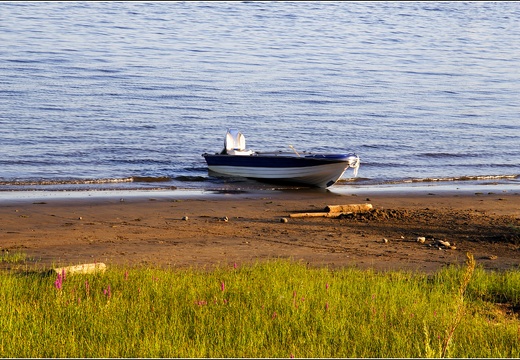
128	95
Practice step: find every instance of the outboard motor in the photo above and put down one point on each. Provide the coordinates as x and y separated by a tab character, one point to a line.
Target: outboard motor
235	143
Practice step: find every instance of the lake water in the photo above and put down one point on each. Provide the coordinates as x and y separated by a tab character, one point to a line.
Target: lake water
128	95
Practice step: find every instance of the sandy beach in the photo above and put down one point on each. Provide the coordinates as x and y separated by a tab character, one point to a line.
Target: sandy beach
223	229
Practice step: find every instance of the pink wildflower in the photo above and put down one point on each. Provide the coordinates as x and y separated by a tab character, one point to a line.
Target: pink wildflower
222	286
107	292
58	283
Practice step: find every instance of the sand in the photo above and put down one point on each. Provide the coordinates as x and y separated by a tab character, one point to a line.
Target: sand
179	231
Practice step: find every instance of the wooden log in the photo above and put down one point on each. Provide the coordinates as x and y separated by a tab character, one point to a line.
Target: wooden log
316	214
348	208
82	269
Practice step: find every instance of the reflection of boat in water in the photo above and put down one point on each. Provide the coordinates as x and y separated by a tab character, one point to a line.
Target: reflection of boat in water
319	170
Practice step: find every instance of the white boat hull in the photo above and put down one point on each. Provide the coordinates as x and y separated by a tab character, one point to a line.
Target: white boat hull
320	175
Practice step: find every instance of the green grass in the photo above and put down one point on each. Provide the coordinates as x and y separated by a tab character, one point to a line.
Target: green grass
12	257
270	309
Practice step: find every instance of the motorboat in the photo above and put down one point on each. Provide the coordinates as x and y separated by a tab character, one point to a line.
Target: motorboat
288	167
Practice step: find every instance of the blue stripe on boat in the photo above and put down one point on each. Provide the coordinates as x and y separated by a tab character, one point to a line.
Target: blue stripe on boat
274	162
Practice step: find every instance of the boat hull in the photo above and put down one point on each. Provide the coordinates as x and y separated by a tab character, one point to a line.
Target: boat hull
312	170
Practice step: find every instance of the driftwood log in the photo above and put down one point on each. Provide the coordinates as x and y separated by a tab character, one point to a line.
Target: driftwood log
314	214
335	210
348	208
82	269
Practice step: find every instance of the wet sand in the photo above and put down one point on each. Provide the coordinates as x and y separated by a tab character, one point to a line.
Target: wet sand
202	230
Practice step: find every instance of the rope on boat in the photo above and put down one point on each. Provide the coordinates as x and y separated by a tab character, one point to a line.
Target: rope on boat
355	166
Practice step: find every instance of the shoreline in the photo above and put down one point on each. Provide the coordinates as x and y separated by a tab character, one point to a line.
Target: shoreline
179	229
407	189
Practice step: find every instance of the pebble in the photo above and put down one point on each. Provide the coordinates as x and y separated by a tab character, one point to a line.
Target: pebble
443	243
421	239
385	240
185	218
283	220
